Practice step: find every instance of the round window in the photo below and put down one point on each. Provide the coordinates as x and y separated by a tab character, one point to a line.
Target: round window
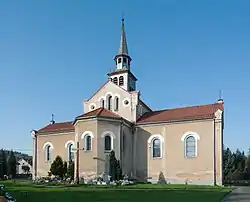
92	107
126	102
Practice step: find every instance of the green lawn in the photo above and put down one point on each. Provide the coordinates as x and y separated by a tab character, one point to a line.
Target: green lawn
190	193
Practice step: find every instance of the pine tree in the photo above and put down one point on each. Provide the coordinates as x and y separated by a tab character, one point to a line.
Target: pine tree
118	170
3	162
57	167
11	164
1	166
71	170
112	165
65	168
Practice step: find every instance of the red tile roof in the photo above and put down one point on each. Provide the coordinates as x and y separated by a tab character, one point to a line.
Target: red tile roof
169	115
178	114
100	112
57	127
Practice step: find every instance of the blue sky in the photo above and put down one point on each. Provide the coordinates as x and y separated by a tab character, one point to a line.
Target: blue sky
54	54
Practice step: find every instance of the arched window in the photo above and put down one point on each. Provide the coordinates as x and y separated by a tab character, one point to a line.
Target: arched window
156	147
70	152
48	153
87	143
115	80
116	103
190	146
109	102
102	103
121	81
107	143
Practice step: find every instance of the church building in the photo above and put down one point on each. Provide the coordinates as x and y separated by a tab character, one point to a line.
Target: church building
184	144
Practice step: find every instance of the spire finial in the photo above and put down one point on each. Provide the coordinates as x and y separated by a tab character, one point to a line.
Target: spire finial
52	119
123	17
220	100
220	94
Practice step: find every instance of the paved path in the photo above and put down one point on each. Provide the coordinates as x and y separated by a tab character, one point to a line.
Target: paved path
239	194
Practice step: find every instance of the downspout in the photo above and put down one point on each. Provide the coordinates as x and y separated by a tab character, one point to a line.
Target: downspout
35	174
77	162
121	146
214	159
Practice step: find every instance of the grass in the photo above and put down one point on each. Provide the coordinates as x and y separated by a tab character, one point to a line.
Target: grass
149	192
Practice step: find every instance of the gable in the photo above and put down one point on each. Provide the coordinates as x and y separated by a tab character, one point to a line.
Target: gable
107	89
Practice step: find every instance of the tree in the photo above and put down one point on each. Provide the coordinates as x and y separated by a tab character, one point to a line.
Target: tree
118	170
26	169
57	167
112	165
3	163
115	170
11	164
65	168
71	170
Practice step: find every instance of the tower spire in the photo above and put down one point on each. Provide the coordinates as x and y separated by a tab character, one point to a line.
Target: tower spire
123	49
122	59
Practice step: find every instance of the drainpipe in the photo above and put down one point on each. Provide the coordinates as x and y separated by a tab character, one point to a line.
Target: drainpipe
77	162
121	145
214	159
35	174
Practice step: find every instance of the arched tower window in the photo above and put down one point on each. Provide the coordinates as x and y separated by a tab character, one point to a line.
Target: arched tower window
70	152
109	102
116	103
48	153
115	80
121	81
87	142
102	103
107	143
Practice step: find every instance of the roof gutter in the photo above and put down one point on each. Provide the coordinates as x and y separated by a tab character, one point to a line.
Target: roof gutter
173	121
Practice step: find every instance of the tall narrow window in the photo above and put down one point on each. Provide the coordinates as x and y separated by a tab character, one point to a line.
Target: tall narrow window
156	148
119	60
48	153
115	80
190	145
121	81
107	143
87	143
102	103
116	103
109	103
70	152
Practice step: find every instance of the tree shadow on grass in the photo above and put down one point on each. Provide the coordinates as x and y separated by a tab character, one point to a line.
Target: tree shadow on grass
65	195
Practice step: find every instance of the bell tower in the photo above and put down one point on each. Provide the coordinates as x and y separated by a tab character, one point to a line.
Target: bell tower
122	75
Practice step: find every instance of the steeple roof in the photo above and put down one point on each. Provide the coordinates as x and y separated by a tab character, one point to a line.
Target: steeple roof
123	49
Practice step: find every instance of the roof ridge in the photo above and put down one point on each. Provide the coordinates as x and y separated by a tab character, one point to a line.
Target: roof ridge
202	105
100	109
